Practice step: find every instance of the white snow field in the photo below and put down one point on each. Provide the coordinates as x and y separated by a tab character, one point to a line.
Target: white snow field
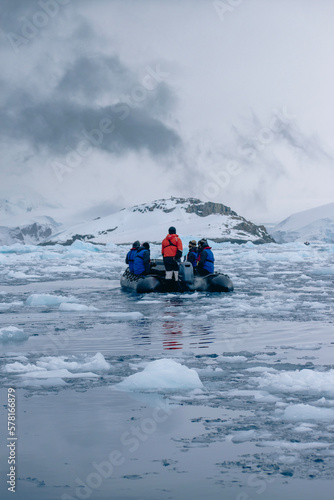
315	224
192	395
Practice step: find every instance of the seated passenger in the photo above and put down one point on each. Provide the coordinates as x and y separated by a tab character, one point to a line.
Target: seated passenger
130	257
205	259
193	253
141	263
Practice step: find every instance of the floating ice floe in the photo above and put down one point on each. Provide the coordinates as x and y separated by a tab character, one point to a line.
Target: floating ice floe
162	374
70	307
96	363
45	299
303	413
288	445
21	275
261	369
81	245
7	305
52	370
304	427
18	248
18	367
323	270
149	301
43	382
63	373
298	381
232	359
12	334
262	396
67	269
243	436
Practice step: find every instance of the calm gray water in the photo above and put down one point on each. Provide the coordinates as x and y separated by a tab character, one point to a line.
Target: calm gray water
261	425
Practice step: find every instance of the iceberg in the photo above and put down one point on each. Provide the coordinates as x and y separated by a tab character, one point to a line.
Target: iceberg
162	374
12	333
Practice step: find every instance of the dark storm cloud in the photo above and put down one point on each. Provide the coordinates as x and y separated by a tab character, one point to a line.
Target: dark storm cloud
61	124
12	12
71	109
57	115
88	76
22	21
162	101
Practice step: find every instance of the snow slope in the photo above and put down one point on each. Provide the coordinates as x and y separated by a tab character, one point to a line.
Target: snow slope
314	224
191	217
25	218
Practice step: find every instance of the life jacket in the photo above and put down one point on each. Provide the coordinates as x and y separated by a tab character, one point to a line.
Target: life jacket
208	263
170	245
138	265
131	258
194	259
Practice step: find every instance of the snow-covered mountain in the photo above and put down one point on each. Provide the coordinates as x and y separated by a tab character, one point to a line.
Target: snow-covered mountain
22	218
38	230
314	224
192	218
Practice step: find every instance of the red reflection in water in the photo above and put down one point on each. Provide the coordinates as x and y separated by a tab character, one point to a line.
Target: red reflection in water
171	329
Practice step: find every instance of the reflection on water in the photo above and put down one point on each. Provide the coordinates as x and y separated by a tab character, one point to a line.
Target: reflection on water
173	332
172	326
171	322
202	337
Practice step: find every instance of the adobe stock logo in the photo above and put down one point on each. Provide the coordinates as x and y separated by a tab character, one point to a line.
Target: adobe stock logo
31	26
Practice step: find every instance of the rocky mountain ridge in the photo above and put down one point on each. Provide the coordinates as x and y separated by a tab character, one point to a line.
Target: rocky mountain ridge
39	230
192	205
192	217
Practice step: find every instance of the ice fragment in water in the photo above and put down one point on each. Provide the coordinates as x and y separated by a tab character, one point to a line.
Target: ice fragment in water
163	374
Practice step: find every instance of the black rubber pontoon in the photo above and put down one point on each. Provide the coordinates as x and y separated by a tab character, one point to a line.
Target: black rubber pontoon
188	281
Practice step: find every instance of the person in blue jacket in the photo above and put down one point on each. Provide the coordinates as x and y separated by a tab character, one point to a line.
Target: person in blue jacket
142	260
130	257
193	253
205	259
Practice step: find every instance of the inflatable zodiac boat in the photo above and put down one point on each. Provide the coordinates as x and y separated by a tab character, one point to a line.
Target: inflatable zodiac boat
188	281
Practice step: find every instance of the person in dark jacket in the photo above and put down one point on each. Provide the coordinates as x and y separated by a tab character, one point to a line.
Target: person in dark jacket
130	257
193	253
141	265
171	250
205	259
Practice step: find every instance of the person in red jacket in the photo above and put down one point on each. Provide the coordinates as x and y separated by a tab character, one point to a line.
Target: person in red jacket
172	252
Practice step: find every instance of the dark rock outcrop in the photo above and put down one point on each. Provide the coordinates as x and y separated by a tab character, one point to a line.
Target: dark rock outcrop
34	231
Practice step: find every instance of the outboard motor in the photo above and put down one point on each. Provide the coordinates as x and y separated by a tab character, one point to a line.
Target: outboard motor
186	272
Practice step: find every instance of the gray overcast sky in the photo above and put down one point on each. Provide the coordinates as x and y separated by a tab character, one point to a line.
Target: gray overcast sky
124	101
